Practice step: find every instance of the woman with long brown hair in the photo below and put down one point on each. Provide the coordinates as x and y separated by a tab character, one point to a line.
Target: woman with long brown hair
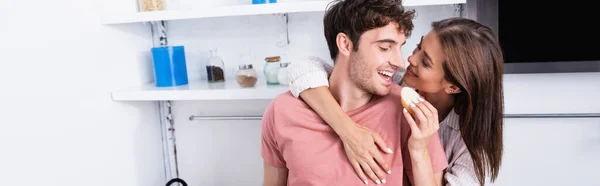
458	68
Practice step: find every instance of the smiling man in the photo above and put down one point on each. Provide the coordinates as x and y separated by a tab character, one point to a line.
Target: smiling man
365	39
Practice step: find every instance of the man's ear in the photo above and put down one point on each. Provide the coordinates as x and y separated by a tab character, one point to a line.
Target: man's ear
344	44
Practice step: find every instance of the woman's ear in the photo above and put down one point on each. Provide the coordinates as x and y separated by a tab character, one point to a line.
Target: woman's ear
452	89
344	44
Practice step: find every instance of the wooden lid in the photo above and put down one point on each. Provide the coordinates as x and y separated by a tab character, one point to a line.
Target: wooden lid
273	59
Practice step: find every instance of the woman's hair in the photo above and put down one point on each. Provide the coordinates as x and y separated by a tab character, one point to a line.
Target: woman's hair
474	62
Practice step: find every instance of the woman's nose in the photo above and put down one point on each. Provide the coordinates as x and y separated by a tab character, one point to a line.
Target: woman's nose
412	60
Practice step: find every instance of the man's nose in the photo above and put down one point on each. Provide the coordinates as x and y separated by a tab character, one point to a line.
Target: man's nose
397	61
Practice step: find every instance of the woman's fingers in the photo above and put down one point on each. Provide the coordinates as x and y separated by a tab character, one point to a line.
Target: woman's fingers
377	170
422	120
379	141
411	122
433	110
428	122
359	172
381	162
368	171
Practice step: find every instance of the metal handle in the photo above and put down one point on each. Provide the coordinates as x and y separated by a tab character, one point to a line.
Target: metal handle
571	115
580	115
192	117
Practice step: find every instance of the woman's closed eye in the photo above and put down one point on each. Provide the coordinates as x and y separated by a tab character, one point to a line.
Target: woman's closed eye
425	63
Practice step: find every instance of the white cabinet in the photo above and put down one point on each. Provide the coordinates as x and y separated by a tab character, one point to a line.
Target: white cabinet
551	152
219	152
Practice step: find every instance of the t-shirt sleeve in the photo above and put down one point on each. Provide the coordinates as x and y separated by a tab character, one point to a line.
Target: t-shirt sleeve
269	149
436	152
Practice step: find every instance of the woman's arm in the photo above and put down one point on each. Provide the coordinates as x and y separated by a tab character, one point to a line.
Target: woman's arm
306	73
309	80
427	155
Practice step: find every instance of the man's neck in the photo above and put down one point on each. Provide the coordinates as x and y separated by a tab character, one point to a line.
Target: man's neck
345	92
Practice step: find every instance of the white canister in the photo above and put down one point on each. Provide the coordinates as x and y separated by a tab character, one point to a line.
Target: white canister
282	74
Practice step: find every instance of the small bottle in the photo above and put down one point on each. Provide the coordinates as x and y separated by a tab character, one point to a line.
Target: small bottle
246	76
271	69
282	74
215	67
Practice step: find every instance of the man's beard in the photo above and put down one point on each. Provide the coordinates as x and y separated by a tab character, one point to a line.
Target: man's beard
360	75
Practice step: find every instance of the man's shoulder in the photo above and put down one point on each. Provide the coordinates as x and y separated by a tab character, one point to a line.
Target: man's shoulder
286	99
287	110
286	104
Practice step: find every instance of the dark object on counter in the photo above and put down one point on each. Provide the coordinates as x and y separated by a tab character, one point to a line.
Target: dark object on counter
215	73
176	180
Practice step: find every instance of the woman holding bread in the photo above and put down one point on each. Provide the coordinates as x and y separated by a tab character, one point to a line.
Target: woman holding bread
457	67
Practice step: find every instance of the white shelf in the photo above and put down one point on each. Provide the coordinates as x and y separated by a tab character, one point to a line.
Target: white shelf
242	10
200	90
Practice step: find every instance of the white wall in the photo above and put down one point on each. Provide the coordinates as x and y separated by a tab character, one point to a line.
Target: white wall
250	39
59	125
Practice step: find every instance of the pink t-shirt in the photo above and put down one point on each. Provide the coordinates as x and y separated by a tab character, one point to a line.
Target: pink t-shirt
296	138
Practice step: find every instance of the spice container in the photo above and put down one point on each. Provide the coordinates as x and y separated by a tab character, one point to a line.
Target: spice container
271	69
246	76
214	67
282	74
151	5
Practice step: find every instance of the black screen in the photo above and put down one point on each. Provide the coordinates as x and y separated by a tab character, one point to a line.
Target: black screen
541	31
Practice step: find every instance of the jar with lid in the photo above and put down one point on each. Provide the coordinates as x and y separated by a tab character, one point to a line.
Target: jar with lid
271	69
282	74
151	5
215	67
246	76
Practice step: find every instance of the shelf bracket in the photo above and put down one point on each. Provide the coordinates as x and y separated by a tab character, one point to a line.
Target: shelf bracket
459	9
286	21
287	32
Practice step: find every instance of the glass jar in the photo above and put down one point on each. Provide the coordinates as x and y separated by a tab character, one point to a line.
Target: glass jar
246	76
282	74
151	5
271	69
215	67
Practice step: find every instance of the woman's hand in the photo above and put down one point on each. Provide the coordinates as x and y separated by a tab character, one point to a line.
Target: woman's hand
425	126
362	149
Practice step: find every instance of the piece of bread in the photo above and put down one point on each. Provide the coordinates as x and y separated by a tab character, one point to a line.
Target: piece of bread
408	96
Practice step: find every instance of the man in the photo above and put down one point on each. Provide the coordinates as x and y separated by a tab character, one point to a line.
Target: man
364	39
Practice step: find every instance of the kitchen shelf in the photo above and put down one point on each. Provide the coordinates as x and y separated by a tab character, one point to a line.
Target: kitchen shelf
244	10
200	90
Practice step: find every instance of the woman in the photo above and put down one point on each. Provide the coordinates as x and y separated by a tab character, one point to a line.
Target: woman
458	68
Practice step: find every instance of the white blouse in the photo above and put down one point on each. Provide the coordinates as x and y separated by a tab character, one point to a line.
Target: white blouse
311	72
